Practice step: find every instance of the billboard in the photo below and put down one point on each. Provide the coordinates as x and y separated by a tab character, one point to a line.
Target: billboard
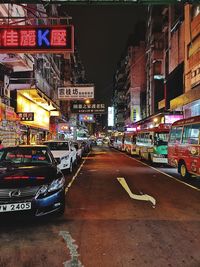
88	108
76	92
36	38
111	116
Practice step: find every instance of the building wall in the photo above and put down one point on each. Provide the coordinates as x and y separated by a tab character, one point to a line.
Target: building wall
137	81
177	49
192	49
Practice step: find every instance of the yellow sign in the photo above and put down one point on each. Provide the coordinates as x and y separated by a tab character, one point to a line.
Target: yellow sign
41	116
161	104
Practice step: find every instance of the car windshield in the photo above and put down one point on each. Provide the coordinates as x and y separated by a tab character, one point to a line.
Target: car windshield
25	156
57	145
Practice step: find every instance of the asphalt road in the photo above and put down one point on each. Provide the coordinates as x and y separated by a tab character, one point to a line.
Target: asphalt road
104	227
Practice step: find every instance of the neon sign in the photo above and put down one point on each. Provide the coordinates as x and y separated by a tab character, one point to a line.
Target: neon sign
37	39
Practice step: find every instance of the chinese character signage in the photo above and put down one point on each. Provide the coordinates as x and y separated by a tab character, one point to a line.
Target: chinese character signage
76	92
88	108
26	116
36	39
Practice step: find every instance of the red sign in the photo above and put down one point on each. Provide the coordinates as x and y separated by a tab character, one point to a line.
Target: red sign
36	39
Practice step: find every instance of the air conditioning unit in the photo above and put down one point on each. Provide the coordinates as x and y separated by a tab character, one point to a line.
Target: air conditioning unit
4	92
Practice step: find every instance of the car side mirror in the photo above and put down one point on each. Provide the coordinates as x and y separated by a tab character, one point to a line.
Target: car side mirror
58	161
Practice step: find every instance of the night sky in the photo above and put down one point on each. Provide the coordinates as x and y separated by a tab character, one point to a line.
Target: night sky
101	34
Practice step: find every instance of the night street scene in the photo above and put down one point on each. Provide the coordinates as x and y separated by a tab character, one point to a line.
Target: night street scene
100	133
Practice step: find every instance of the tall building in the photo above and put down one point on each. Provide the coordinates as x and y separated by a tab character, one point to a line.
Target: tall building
135	84
32	80
189	100
119	94
154	60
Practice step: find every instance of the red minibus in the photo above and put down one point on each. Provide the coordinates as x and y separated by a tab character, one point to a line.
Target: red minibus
130	142
184	146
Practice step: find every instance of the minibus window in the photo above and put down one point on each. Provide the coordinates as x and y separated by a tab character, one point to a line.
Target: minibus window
179	134
172	138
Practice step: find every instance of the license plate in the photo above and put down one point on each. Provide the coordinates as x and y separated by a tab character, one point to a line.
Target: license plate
15	207
160	160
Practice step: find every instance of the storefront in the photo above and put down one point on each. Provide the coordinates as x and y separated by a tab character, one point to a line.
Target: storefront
33	109
9	126
189	103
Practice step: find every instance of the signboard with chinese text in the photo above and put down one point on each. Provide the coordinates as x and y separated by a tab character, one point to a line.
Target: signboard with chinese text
36	39
26	116
10	114
172	118
76	92
88	108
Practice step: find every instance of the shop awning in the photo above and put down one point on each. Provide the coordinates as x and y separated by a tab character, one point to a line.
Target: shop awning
37	96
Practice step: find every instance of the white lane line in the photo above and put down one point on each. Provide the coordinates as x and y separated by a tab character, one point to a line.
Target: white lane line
70	242
144	197
76	174
172	177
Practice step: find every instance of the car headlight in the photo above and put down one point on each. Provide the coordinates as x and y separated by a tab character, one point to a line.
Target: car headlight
42	191
158	155
56	184
65	157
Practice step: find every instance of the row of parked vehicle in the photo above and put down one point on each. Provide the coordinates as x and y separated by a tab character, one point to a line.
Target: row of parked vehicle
31	177
68	152
177	145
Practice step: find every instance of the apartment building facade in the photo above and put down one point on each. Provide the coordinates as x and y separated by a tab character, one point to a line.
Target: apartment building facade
189	100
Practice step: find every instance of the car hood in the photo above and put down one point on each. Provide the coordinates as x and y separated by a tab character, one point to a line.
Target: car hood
60	153
22	176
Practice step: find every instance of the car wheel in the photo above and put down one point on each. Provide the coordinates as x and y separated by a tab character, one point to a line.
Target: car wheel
183	170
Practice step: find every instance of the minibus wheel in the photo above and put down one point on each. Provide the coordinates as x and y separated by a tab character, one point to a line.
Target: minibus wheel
183	170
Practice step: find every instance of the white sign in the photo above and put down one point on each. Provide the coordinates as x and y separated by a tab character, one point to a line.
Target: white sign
111	116
76	92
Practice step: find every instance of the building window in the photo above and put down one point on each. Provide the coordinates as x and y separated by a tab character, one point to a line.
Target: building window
193	74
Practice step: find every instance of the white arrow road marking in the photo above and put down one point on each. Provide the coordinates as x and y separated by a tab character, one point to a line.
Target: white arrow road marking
74	261
144	197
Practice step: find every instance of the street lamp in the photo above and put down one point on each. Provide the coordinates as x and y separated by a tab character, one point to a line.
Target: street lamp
87	101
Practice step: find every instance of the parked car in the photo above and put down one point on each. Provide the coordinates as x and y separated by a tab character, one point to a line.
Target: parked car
99	142
79	150
65	151
30	181
86	146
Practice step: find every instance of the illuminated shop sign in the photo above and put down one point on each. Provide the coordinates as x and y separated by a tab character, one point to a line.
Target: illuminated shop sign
76	92
88	108
172	118
26	116
86	117
41	116
37	39
111	116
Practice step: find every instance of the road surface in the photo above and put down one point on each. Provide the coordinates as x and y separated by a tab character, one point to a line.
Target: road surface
104	226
